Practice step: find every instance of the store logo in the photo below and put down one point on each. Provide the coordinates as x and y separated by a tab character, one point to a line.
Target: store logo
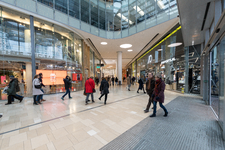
149	59
168	60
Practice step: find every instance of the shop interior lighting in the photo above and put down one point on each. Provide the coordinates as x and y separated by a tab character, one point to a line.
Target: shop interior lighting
160	4
124	18
104	43
174	44
160	50
130	50
125	45
139	10
78	50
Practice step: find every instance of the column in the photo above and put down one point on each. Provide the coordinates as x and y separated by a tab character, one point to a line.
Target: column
28	79
119	66
27	41
32	47
186	51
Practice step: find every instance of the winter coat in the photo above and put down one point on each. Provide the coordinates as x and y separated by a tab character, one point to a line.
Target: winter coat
67	84
113	79
141	84
161	88
35	90
152	86
40	79
116	80
104	87
12	87
89	85
128	81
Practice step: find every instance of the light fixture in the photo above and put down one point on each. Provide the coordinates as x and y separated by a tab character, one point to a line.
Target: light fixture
104	43
125	45
130	50
79	44
139	10
160	50
174	44
124	18
78	50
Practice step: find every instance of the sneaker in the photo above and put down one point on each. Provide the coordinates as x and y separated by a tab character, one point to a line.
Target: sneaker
21	100
153	115
8	103
137	92
70	97
128	89
35	104
62	98
43	100
146	111
166	114
0	116
144	92
99	98
86	102
93	101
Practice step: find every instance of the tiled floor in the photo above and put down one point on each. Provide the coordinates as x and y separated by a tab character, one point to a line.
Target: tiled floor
70	124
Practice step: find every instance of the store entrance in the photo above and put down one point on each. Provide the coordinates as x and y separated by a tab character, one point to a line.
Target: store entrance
214	97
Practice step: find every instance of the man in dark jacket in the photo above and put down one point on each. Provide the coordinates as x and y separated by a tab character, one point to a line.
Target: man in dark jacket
104	88
133	80
67	83
150	85
12	89
113	80
42	85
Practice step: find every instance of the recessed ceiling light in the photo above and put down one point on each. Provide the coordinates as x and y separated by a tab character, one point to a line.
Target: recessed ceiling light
104	43
160	50
125	45
130	50
174	44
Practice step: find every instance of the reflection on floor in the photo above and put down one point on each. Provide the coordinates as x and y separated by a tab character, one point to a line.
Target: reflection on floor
71	124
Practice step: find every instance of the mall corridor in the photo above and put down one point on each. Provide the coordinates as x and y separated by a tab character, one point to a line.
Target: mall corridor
120	124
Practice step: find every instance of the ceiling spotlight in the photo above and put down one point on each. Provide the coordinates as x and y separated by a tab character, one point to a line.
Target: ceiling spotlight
104	43
130	50
125	45
174	44
77	50
160	50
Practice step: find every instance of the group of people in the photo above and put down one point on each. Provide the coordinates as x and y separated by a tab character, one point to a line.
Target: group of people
38	91
90	89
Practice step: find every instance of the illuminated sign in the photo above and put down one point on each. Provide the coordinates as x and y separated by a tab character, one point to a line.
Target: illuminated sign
168	60
149	59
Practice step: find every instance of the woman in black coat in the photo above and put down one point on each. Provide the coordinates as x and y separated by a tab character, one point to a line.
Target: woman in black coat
141	85
104	88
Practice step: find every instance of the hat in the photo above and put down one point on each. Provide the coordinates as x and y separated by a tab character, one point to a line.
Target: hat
11	76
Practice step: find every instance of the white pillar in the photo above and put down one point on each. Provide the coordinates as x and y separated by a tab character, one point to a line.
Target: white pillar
119	66
27	38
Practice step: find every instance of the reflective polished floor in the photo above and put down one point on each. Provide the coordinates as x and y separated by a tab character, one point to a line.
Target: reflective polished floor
70	124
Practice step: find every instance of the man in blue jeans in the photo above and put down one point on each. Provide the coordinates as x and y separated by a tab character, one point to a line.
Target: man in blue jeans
67	83
42	85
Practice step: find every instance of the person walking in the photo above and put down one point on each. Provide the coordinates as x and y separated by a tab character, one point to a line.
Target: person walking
104	89
116	80
158	95
89	89
141	85
113	79
150	86
96	81
37	90
13	87
133	80
67	84
42	85
128	82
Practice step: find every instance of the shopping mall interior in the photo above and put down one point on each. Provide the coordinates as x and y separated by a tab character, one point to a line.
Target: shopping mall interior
181	43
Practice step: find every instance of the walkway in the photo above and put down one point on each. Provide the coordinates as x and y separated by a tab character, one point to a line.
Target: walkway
70	124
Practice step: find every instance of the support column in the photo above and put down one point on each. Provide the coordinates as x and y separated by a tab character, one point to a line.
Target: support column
28	79
32	47
119	66
186	51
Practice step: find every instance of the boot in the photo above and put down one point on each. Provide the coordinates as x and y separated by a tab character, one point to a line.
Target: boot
166	114
153	115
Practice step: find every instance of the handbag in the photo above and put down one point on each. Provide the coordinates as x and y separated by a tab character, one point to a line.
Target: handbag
93	90
37	86
85	92
5	90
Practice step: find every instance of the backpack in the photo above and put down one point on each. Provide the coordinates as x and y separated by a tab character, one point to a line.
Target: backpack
17	86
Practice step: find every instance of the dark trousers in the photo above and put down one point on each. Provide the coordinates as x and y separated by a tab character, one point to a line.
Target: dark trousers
149	102
10	97
18	97
36	98
67	92
105	97
161	105
142	89
41	97
112	82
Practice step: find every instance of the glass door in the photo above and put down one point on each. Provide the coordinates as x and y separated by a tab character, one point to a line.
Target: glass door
214	97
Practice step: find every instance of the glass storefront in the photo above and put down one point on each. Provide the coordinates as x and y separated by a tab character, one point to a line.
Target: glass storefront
58	53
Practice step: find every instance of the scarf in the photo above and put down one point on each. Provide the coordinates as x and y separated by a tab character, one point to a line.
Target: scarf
157	82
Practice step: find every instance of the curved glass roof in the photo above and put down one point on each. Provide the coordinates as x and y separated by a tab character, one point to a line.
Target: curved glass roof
116	18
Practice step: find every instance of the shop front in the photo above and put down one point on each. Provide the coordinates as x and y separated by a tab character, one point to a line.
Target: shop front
58	53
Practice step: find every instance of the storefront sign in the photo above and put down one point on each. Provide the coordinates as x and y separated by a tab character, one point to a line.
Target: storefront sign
149	59
168	60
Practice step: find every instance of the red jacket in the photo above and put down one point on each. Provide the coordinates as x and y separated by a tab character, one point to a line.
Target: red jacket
89	85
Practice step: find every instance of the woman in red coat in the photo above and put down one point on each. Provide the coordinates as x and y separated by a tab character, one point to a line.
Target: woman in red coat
89	86
158	95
